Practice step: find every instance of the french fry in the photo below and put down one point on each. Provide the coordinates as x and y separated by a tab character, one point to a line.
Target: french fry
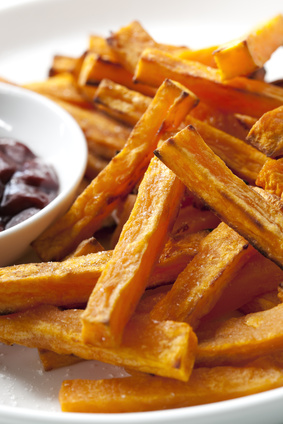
95	164
243	56
266	133
257	277
118	101
63	86
90	245
240	95
242	339
146	393
123	218
65	64
72	281
246	162
243	159
222	253
130	41
167	349
125	277
229	197
96	68
204	56
169	107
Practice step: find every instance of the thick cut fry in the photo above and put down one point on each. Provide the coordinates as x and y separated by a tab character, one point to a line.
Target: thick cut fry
270	177
95	68
204	56
228	196
169	107
267	133
257	277
126	275
222	253
118	101
65	64
73	280
240	95
244	160
166	349
63	86
130	41
192	219
243	56
242	339
146	393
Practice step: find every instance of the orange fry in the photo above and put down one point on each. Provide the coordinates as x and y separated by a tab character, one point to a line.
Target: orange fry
169	107
228	196
126	275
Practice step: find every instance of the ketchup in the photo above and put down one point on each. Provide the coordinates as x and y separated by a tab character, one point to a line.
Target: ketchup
27	184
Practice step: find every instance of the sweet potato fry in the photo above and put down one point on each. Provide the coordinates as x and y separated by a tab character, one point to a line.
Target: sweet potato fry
267	133
90	245
222	253
240	95
72	281
130	41
126	275
270	177
95	68
146	393
257	277
241	339
166	349
65	64
250	52
192	219
244	160
63	86
169	107
229	197
118	101
95	164
204	56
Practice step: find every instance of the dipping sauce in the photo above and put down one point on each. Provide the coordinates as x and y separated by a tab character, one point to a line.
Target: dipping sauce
27	184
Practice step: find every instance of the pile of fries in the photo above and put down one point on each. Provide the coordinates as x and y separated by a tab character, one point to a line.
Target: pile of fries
169	262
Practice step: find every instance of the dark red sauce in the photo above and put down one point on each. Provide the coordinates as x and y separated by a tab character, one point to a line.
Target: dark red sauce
27	184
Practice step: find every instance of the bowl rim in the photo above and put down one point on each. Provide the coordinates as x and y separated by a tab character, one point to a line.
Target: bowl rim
14	90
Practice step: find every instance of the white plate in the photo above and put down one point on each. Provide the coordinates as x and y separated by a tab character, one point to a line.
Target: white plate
31	33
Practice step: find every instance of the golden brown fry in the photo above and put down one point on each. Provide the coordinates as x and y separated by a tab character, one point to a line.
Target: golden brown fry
204	56
169	107
232	200
244	160
128	106
146	393
242	339
257	277
267	133
73	280
222	253
129	42
62	64
120	102
63	86
240	95
245	55
126	275
166	349
95	164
